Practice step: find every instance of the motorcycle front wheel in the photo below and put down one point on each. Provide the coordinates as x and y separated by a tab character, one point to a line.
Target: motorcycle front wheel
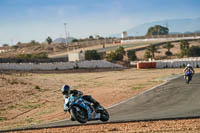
104	115
79	114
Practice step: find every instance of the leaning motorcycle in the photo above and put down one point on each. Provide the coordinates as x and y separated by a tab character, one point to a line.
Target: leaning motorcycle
83	111
188	77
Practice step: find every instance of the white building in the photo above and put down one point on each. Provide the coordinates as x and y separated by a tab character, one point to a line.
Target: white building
124	34
2	50
78	56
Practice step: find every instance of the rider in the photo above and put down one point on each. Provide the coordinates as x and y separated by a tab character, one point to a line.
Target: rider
189	68
67	92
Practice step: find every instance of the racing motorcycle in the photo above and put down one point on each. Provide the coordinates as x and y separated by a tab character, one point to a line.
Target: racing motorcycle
83	111
188	77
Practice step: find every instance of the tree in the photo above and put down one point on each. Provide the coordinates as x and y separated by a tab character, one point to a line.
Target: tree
75	40
120	50
5	45
18	43
131	55
116	55
184	46
92	55
49	40
168	46
157	30
33	42
152	50
147	55
91	37
194	51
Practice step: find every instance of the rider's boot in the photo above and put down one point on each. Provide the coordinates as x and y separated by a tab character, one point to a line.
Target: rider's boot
71	118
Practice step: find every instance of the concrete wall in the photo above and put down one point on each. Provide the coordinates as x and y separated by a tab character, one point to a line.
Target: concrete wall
58	65
159	39
76	56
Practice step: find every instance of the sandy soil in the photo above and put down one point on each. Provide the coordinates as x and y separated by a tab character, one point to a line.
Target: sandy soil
173	126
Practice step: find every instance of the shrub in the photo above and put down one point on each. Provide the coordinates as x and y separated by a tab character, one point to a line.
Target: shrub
184	46
37	87
116	55
147	55
75	40
168	53
168	46
92	55
131	55
15	46
194	51
32	56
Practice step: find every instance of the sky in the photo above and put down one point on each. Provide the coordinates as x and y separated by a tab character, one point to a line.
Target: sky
26	20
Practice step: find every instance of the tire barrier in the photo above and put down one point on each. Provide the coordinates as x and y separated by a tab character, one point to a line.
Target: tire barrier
146	65
59	65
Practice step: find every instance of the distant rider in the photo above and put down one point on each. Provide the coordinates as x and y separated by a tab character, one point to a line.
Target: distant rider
67	92
189	68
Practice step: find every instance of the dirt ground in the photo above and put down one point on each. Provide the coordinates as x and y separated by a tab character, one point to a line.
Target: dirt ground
173	126
35	98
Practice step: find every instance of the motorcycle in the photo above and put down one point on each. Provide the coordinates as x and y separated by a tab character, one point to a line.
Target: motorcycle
83	111
188	77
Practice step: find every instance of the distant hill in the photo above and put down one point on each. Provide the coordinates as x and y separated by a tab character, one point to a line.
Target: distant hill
62	40
174	25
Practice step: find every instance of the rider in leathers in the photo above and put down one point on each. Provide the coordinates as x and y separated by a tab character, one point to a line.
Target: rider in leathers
67	92
189	68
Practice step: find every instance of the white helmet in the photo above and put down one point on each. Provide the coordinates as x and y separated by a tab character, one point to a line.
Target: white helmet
188	65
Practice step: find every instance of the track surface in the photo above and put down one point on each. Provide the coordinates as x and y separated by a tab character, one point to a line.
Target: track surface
174	99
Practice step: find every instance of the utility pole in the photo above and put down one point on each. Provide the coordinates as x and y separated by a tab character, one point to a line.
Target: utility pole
66	40
167	25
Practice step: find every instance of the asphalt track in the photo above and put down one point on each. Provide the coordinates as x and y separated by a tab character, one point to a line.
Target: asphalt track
172	100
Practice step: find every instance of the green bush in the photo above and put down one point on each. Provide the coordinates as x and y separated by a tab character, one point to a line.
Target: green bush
116	55
15	46
131	55
184	46
37	87
147	55
32	56
194	51
75	40
168	53
92	55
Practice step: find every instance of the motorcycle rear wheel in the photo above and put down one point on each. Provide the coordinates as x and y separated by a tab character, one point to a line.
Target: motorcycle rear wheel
187	79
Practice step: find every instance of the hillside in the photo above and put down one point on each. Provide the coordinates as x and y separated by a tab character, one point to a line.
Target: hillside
61	49
27	48
174	25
